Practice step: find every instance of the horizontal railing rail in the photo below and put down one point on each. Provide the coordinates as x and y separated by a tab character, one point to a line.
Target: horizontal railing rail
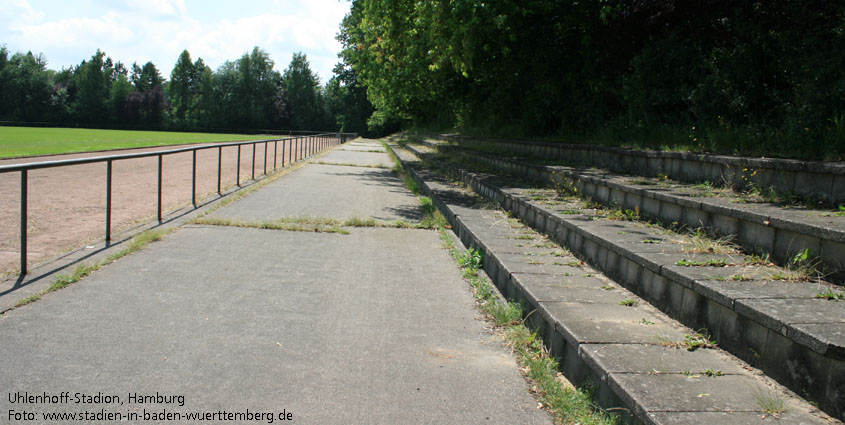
299	147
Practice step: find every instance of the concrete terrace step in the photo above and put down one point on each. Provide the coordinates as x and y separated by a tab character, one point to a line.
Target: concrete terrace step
810	179
627	354
758	227
778	326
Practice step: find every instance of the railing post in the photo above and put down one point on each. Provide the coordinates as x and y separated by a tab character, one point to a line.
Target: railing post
108	203
275	153
238	171
159	188
23	220
194	179
265	158
219	168
253	161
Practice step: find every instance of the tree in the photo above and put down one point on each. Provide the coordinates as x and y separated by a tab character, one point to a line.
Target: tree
146	77
93	86
183	86
119	93
347	101
258	85
203	89
302	91
26	86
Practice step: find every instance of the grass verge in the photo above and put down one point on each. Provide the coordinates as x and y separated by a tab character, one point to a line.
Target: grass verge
566	404
63	280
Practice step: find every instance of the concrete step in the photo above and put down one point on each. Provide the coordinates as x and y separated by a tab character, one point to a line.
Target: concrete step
779	326
760	228
808	179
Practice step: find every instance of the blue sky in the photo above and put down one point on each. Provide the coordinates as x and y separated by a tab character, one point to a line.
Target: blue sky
68	31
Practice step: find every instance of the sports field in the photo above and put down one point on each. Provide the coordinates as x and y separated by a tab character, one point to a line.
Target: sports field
28	141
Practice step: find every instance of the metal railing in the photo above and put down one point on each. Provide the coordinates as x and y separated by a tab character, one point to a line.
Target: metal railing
299	147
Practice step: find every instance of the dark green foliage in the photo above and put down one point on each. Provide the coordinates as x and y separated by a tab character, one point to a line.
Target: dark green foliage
302	90
347	101
715	75
183	86
246	94
25	86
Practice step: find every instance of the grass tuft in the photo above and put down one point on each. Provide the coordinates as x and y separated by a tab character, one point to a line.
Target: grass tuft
699	242
831	295
628	302
83	270
28	300
771	403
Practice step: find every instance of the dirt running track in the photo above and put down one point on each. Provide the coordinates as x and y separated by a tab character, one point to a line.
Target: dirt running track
66	206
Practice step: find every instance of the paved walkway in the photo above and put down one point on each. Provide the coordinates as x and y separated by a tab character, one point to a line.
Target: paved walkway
374	326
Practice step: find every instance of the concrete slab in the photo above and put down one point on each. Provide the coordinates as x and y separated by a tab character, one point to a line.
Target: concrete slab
591	282
578	295
359	158
733	290
654	359
370	327
692	394
551	265
613	323
328	191
733	418
363	149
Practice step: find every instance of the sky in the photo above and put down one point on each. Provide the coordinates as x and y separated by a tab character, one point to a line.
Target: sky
68	31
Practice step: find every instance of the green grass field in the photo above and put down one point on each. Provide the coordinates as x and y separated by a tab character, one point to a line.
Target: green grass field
28	141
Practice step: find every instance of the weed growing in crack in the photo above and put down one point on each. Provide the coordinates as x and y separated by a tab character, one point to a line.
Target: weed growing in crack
628	302
771	403
832	295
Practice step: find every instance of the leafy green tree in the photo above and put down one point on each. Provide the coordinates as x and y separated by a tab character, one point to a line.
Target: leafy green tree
183	86
347	101
258	86
145	77
5	101
26	86
245	91
203	89
119	93
93	80
302	90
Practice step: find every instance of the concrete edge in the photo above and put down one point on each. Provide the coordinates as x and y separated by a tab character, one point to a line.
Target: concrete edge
524	209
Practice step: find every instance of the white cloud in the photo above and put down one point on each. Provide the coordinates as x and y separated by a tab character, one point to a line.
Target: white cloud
14	13
82	31
158	7
158	31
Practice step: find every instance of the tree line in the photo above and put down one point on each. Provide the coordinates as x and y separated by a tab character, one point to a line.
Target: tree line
240	95
717	75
